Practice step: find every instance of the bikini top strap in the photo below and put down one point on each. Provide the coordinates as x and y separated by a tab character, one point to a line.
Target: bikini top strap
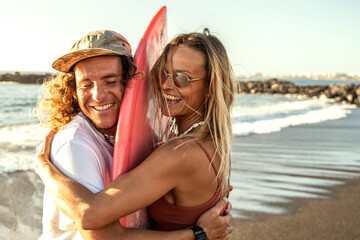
208	156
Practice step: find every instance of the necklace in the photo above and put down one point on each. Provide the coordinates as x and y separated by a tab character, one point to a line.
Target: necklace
110	139
195	125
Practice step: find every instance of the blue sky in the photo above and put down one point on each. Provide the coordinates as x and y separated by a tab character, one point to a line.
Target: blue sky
272	37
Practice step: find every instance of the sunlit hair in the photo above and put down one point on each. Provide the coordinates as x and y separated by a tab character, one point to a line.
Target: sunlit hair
58	104
219	96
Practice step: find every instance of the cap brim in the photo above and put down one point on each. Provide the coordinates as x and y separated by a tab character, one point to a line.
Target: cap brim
66	62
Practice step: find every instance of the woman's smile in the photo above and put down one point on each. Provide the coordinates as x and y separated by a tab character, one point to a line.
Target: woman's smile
171	99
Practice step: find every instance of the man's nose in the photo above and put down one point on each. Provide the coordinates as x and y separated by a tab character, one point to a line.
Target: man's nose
99	92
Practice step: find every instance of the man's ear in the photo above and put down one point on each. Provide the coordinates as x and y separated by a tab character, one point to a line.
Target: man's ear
75	95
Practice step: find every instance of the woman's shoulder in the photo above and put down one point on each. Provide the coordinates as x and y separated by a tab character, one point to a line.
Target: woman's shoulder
185	148
178	144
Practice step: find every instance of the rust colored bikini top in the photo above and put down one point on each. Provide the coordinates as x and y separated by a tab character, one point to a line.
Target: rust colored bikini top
171	217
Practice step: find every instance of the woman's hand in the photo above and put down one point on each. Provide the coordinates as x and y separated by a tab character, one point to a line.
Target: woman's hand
43	153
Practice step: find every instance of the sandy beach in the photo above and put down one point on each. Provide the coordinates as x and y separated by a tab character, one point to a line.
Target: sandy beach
337	218
20	205
335	215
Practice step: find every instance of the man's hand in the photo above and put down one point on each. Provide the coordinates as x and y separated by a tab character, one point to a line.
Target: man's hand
43	153
215	225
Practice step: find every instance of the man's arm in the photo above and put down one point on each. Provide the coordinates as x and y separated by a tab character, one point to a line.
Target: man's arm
115	231
79	162
215	226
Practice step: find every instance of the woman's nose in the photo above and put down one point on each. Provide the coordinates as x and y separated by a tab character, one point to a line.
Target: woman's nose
167	81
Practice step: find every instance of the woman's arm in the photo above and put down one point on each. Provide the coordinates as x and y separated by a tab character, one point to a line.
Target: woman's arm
114	231
128	193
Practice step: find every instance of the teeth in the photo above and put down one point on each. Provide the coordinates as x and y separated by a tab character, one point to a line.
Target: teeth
104	107
169	97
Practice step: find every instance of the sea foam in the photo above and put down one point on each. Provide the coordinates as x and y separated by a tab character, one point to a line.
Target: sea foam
257	114
18	145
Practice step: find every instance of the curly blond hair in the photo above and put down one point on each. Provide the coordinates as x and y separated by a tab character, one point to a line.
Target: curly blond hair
58	104
219	98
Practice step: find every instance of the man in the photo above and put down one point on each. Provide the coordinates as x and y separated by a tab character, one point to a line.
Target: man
83	105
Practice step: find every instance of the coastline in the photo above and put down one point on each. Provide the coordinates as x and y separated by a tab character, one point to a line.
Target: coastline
321	219
333	212
24	78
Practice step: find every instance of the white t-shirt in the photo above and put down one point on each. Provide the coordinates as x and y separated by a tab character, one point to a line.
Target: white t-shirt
82	153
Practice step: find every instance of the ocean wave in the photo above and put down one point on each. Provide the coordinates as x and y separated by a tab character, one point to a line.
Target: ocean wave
18	145
266	117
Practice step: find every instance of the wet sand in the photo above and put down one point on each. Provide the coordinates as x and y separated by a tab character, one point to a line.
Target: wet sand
315	198
337	218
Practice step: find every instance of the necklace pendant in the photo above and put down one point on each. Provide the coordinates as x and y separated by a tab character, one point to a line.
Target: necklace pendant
195	125
173	126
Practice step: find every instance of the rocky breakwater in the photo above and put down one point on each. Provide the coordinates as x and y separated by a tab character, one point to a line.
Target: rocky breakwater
349	93
23	78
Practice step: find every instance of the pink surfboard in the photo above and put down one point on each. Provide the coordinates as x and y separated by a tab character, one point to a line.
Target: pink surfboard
134	138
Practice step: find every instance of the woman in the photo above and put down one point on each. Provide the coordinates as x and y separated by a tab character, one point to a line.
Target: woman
193	85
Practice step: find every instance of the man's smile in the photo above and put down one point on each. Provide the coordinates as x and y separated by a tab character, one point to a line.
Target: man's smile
103	107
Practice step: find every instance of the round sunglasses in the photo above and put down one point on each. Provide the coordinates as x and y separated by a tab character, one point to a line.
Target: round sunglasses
179	80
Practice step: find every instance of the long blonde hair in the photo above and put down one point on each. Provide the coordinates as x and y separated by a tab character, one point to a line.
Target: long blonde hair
219	98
